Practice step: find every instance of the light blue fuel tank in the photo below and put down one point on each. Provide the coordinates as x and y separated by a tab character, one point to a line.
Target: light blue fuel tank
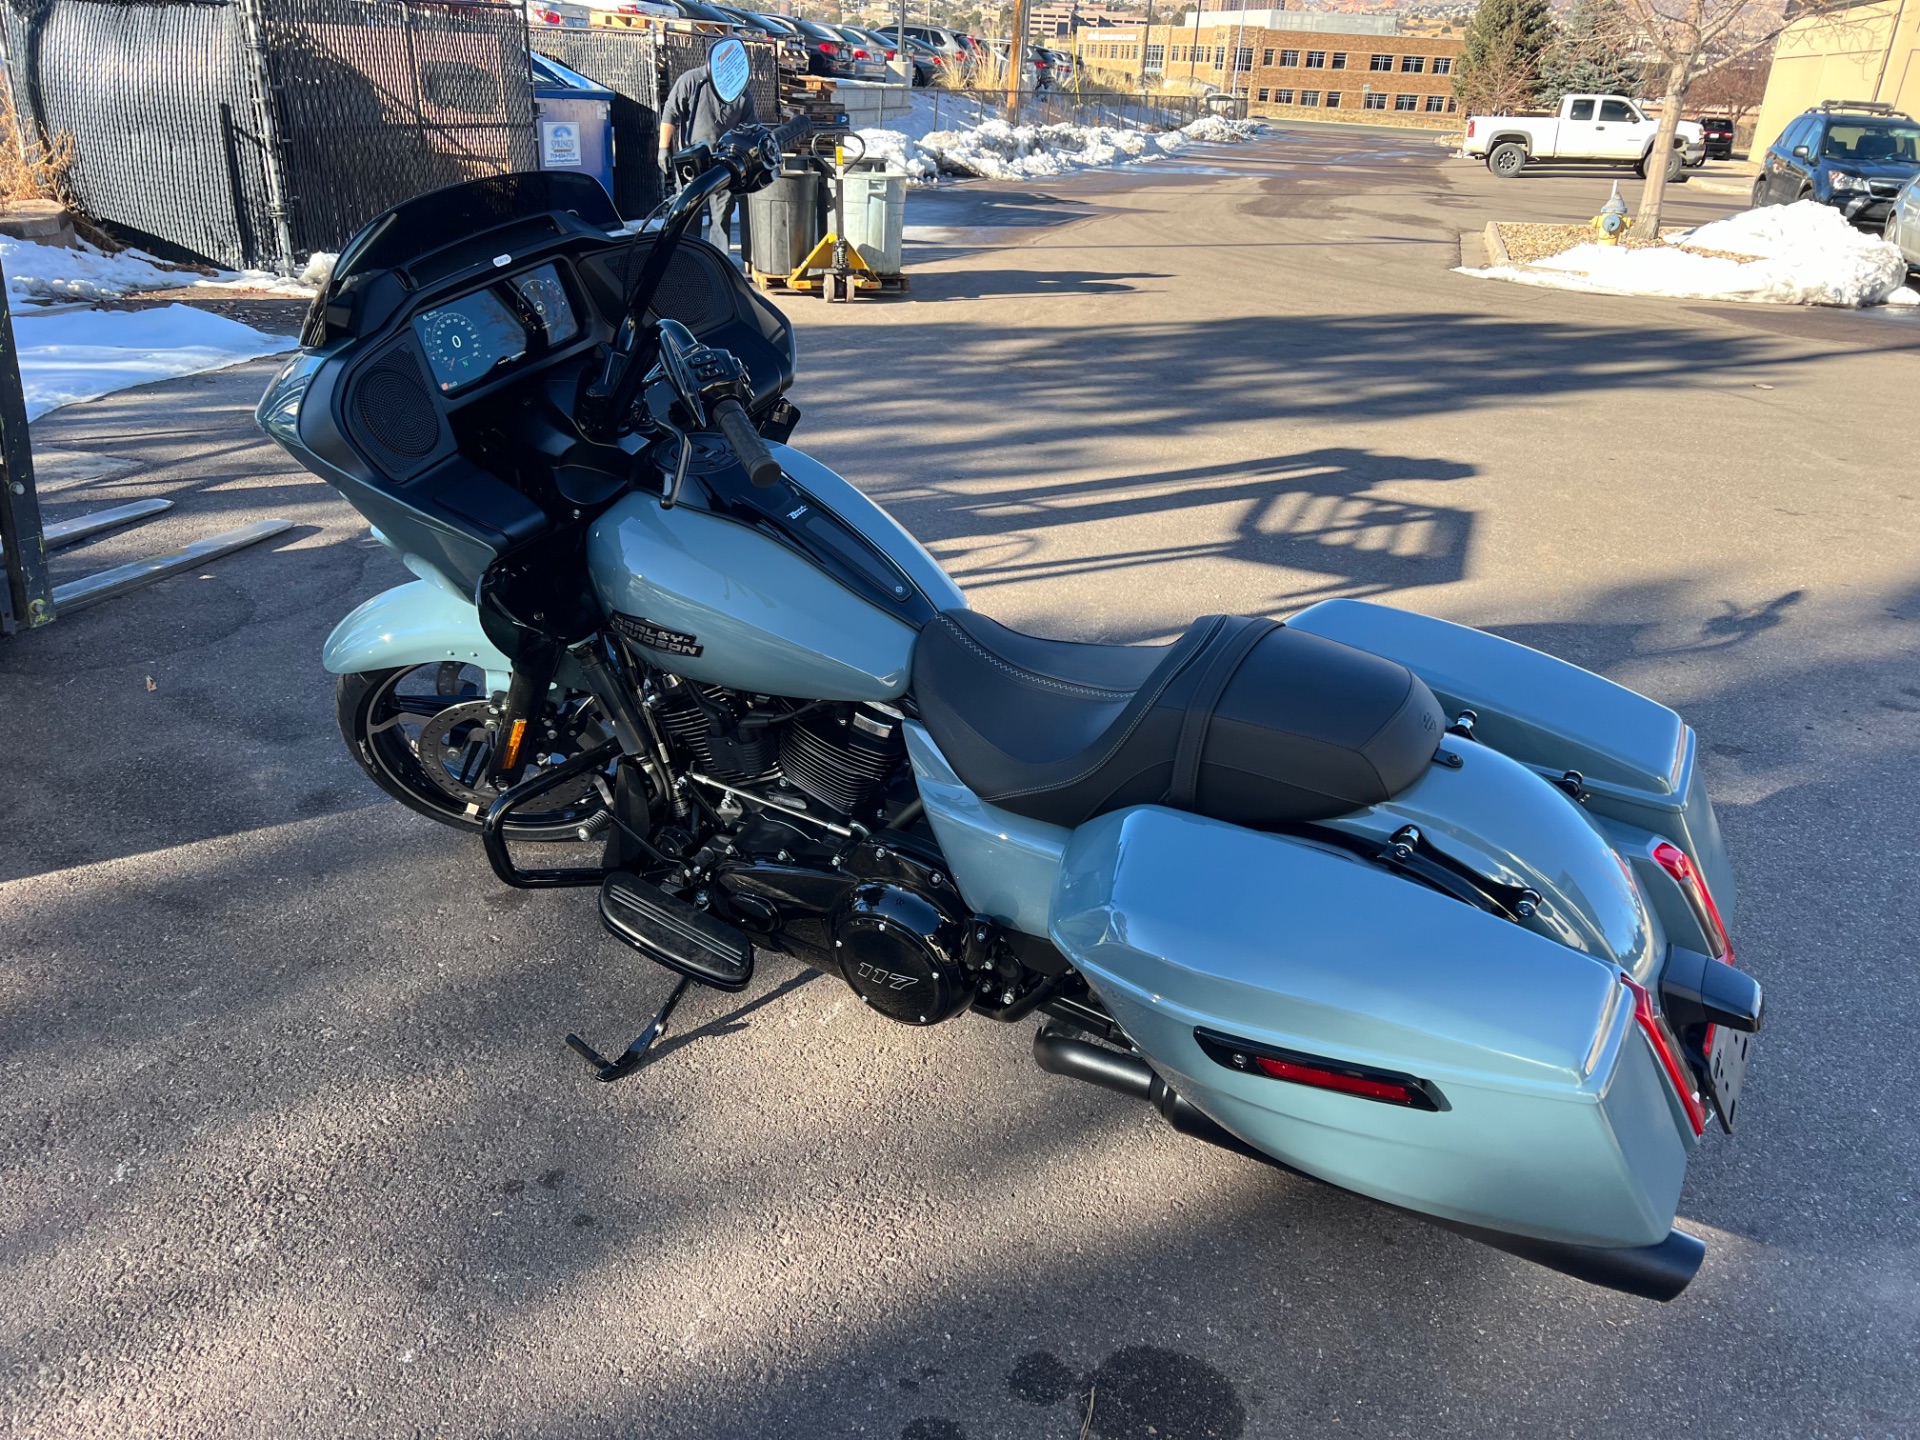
713	600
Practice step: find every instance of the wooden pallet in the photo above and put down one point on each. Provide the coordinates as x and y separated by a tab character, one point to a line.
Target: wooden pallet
772	283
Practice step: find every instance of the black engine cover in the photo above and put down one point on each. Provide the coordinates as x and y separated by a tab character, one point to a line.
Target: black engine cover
901	953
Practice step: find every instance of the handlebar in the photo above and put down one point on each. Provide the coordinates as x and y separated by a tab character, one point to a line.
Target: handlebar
748	447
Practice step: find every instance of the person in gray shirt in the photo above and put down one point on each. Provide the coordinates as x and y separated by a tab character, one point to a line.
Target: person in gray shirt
696	115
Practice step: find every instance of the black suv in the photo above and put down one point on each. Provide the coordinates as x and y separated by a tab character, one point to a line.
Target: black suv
1717	131
1849	154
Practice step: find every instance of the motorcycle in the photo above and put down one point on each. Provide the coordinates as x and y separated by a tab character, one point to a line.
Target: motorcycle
1369	896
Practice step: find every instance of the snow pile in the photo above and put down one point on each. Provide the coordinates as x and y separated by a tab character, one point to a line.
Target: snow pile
83	354
54	272
1803	254
995	150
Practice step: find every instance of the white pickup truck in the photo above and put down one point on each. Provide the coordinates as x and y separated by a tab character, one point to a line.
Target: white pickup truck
1590	129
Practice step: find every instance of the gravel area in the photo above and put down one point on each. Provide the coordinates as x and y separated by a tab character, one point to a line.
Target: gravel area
1528	242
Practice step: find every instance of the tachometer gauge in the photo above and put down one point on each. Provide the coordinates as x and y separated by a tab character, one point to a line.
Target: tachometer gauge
454	348
547	298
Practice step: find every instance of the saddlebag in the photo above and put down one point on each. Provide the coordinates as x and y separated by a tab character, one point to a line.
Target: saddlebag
1479	1071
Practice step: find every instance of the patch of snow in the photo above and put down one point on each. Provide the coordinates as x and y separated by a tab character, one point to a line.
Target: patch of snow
1803	254
1905	295
55	272
989	148
83	354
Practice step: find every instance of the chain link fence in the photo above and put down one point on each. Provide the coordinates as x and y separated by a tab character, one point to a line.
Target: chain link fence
249	132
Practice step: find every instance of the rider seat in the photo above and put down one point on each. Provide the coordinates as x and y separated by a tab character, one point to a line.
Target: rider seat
1239	719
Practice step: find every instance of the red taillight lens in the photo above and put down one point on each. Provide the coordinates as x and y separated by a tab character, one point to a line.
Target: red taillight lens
1387	1090
827	47
1469	129
1665	1051
860	55
1677	863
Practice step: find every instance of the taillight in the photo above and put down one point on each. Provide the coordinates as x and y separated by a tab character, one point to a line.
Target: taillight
1390	1091
1666	1051
1469	129
1677	863
827	47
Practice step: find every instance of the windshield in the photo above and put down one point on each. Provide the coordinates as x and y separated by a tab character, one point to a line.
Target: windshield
1873	142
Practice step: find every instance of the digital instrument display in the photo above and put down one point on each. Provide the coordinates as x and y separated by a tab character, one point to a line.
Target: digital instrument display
544	294
470	339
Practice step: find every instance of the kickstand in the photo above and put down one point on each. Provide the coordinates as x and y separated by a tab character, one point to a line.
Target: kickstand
636	1053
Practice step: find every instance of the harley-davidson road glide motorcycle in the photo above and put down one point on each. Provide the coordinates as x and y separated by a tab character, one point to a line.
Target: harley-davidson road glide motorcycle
1376	898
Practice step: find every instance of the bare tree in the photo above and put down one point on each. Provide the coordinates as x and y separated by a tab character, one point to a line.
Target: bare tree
1733	88
1684	36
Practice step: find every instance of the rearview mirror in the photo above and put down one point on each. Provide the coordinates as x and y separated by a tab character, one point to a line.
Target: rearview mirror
1800	152
727	65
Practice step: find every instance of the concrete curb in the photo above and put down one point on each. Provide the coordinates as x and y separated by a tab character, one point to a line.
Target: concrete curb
1720	187
1496	247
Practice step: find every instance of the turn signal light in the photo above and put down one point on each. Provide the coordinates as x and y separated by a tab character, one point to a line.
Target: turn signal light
1665	1051
1677	863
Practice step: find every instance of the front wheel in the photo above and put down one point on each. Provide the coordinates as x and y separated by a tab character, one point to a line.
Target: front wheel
1760	192
422	734
1507	161
1676	162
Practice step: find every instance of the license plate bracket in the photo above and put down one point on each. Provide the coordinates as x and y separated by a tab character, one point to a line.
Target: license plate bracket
1726	1071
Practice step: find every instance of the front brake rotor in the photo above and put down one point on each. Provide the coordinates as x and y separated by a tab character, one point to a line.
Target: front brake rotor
455	747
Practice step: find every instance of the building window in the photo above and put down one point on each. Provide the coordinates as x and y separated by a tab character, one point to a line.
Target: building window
1340	60
1436	104
1316	59
1406	102
1243	59
1381	62
1155	54
1263	93
1266	59
1309	97
1375	100
1289	57
1333	99
1413	64
1283	97
1443	64
1452	104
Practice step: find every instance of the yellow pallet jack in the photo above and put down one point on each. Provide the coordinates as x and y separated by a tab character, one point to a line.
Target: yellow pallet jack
833	266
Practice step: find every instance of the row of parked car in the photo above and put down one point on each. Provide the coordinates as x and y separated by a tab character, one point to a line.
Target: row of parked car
845	52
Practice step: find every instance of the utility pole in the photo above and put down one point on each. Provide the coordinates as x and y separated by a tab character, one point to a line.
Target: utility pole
1016	60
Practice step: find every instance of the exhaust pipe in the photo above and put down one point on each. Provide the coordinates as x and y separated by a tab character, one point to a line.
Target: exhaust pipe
1653	1272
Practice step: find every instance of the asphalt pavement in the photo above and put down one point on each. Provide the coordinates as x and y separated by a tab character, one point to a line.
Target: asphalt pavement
291	1144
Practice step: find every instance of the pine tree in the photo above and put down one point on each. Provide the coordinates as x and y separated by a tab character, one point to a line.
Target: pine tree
1500	55
1590	55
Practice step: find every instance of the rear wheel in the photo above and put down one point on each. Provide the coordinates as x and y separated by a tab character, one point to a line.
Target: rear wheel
1508	160
421	733
1676	163
1760	192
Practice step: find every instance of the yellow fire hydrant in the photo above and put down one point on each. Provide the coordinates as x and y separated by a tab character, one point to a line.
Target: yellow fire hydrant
1613	221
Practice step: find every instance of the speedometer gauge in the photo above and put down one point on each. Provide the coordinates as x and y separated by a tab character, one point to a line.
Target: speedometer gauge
454	348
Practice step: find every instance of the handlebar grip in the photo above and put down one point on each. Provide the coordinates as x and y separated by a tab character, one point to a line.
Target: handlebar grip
747	445
792	132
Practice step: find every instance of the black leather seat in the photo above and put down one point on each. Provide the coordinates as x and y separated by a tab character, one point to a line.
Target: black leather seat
1240	719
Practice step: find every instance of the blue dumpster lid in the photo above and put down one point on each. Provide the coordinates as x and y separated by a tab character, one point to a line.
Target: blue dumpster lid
554	81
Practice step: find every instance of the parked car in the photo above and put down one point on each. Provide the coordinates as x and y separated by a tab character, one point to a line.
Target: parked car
1718	131
1849	154
1590	129
928	63
954	50
790	48
1903	222
868	60
1062	66
703	14
827	51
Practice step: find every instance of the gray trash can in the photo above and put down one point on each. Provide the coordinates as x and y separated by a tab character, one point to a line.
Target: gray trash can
876	216
783	222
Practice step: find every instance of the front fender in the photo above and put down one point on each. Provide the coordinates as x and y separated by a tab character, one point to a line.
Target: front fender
413	624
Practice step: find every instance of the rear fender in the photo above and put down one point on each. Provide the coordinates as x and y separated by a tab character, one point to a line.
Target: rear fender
414	624
1637	760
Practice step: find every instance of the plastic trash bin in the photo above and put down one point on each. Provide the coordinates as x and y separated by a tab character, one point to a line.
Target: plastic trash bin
575	121
876	202
783	222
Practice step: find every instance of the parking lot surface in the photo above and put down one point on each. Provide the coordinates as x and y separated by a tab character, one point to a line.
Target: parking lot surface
291	1145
